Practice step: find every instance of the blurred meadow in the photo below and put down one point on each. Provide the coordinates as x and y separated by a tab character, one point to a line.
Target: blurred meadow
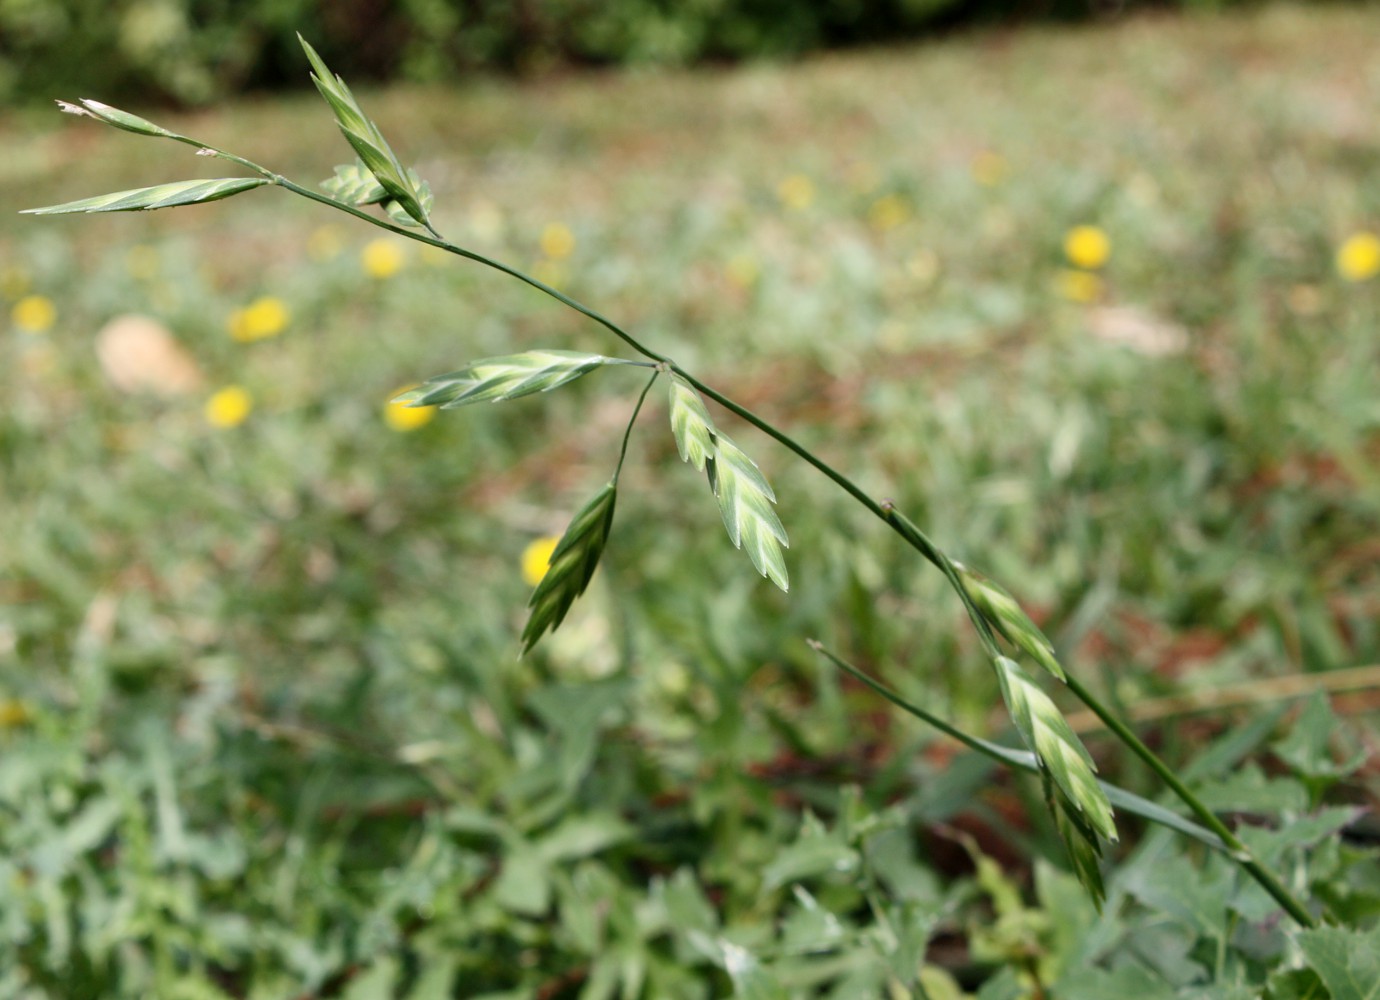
1096	305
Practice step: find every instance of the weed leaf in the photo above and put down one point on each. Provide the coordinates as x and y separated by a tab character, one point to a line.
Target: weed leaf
161	196
690	423
745	501
1347	961
572	565
368	142
509	376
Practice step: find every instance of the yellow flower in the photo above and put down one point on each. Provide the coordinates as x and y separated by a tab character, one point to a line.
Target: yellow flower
989	168
536	559
1078	286
742	270
382	258
557	241
325	242
141	261
229	407
797	192
34	313
262	318
403	418
1087	247
1359	257
888	212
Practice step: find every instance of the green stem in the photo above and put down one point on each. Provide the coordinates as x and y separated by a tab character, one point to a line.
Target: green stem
1238	851
627	433
886	511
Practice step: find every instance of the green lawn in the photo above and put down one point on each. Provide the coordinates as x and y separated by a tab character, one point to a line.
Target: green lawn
264	730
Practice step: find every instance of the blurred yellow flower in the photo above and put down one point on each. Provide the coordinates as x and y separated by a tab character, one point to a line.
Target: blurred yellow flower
1358	258
1087	247
742	270
989	168
34	313
141	261
536	559
261	319
888	212
325	242
382	258
557	241
229	407
403	418
797	192
1078	286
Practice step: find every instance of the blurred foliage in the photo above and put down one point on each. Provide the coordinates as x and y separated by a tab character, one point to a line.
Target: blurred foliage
194	51
264	731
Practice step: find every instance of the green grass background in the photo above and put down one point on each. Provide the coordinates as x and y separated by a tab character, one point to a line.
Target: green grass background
265	728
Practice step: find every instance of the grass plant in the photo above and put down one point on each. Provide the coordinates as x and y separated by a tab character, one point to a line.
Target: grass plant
861	913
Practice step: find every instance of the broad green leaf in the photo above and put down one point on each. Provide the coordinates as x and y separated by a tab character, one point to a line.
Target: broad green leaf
745	501
492	380
1347	961
817	852
572	565
1307	749
690	423
366	139
1054	742
354	185
161	196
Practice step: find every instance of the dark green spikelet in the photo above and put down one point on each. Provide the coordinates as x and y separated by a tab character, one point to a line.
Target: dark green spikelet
366	139
572	565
